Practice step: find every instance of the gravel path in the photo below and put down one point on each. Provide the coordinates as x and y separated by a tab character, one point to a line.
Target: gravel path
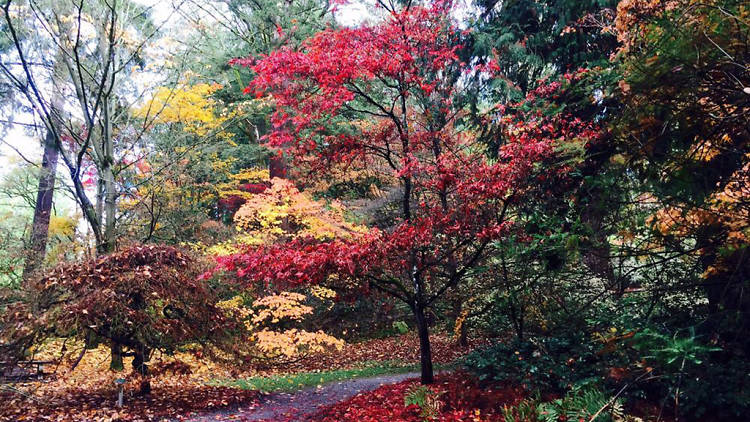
298	404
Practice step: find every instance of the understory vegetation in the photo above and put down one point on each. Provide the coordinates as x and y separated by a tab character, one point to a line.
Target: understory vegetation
533	210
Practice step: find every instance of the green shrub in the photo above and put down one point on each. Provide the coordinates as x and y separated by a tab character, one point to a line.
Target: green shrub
426	399
401	327
549	364
525	411
703	379
581	404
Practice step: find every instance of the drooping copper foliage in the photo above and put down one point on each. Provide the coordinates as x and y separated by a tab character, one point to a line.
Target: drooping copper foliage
138	300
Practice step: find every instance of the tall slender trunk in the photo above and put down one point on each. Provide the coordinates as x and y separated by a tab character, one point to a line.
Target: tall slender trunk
463	336
100	201
43	207
45	192
107	242
110	198
418	304
110	189
425	352
516	317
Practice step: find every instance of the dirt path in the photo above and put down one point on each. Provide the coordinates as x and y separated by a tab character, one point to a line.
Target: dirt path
296	405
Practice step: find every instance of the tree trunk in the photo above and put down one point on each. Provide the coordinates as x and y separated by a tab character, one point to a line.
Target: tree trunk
517	318
463	337
596	251
100	201
43	208
110	198
115	363
110	188
425	353
139	365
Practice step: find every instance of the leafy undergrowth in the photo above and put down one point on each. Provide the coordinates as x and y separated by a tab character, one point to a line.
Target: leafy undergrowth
179	382
293	382
458	396
88	392
175	399
453	397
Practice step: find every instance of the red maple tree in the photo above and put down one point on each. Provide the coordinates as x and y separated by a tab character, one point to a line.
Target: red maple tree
387	96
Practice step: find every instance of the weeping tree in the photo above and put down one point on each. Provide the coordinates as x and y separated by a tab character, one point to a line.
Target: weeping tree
142	299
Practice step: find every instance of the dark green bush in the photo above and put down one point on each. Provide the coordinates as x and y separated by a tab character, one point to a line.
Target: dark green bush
706	381
548	364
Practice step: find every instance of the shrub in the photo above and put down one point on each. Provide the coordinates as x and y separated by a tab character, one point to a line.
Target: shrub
582	404
426	399
139	300
698	379
552	364
400	327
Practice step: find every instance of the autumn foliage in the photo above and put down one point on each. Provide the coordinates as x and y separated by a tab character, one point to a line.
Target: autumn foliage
136	301
566	182
270	336
168	401
188	105
402	75
454	397
283	212
684	82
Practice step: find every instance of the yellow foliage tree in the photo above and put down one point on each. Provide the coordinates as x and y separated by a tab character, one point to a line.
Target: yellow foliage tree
282	211
249	175
189	105
267	340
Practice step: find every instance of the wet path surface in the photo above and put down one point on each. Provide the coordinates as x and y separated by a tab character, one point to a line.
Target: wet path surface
296	405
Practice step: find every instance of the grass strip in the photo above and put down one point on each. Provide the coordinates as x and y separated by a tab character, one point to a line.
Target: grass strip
294	382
